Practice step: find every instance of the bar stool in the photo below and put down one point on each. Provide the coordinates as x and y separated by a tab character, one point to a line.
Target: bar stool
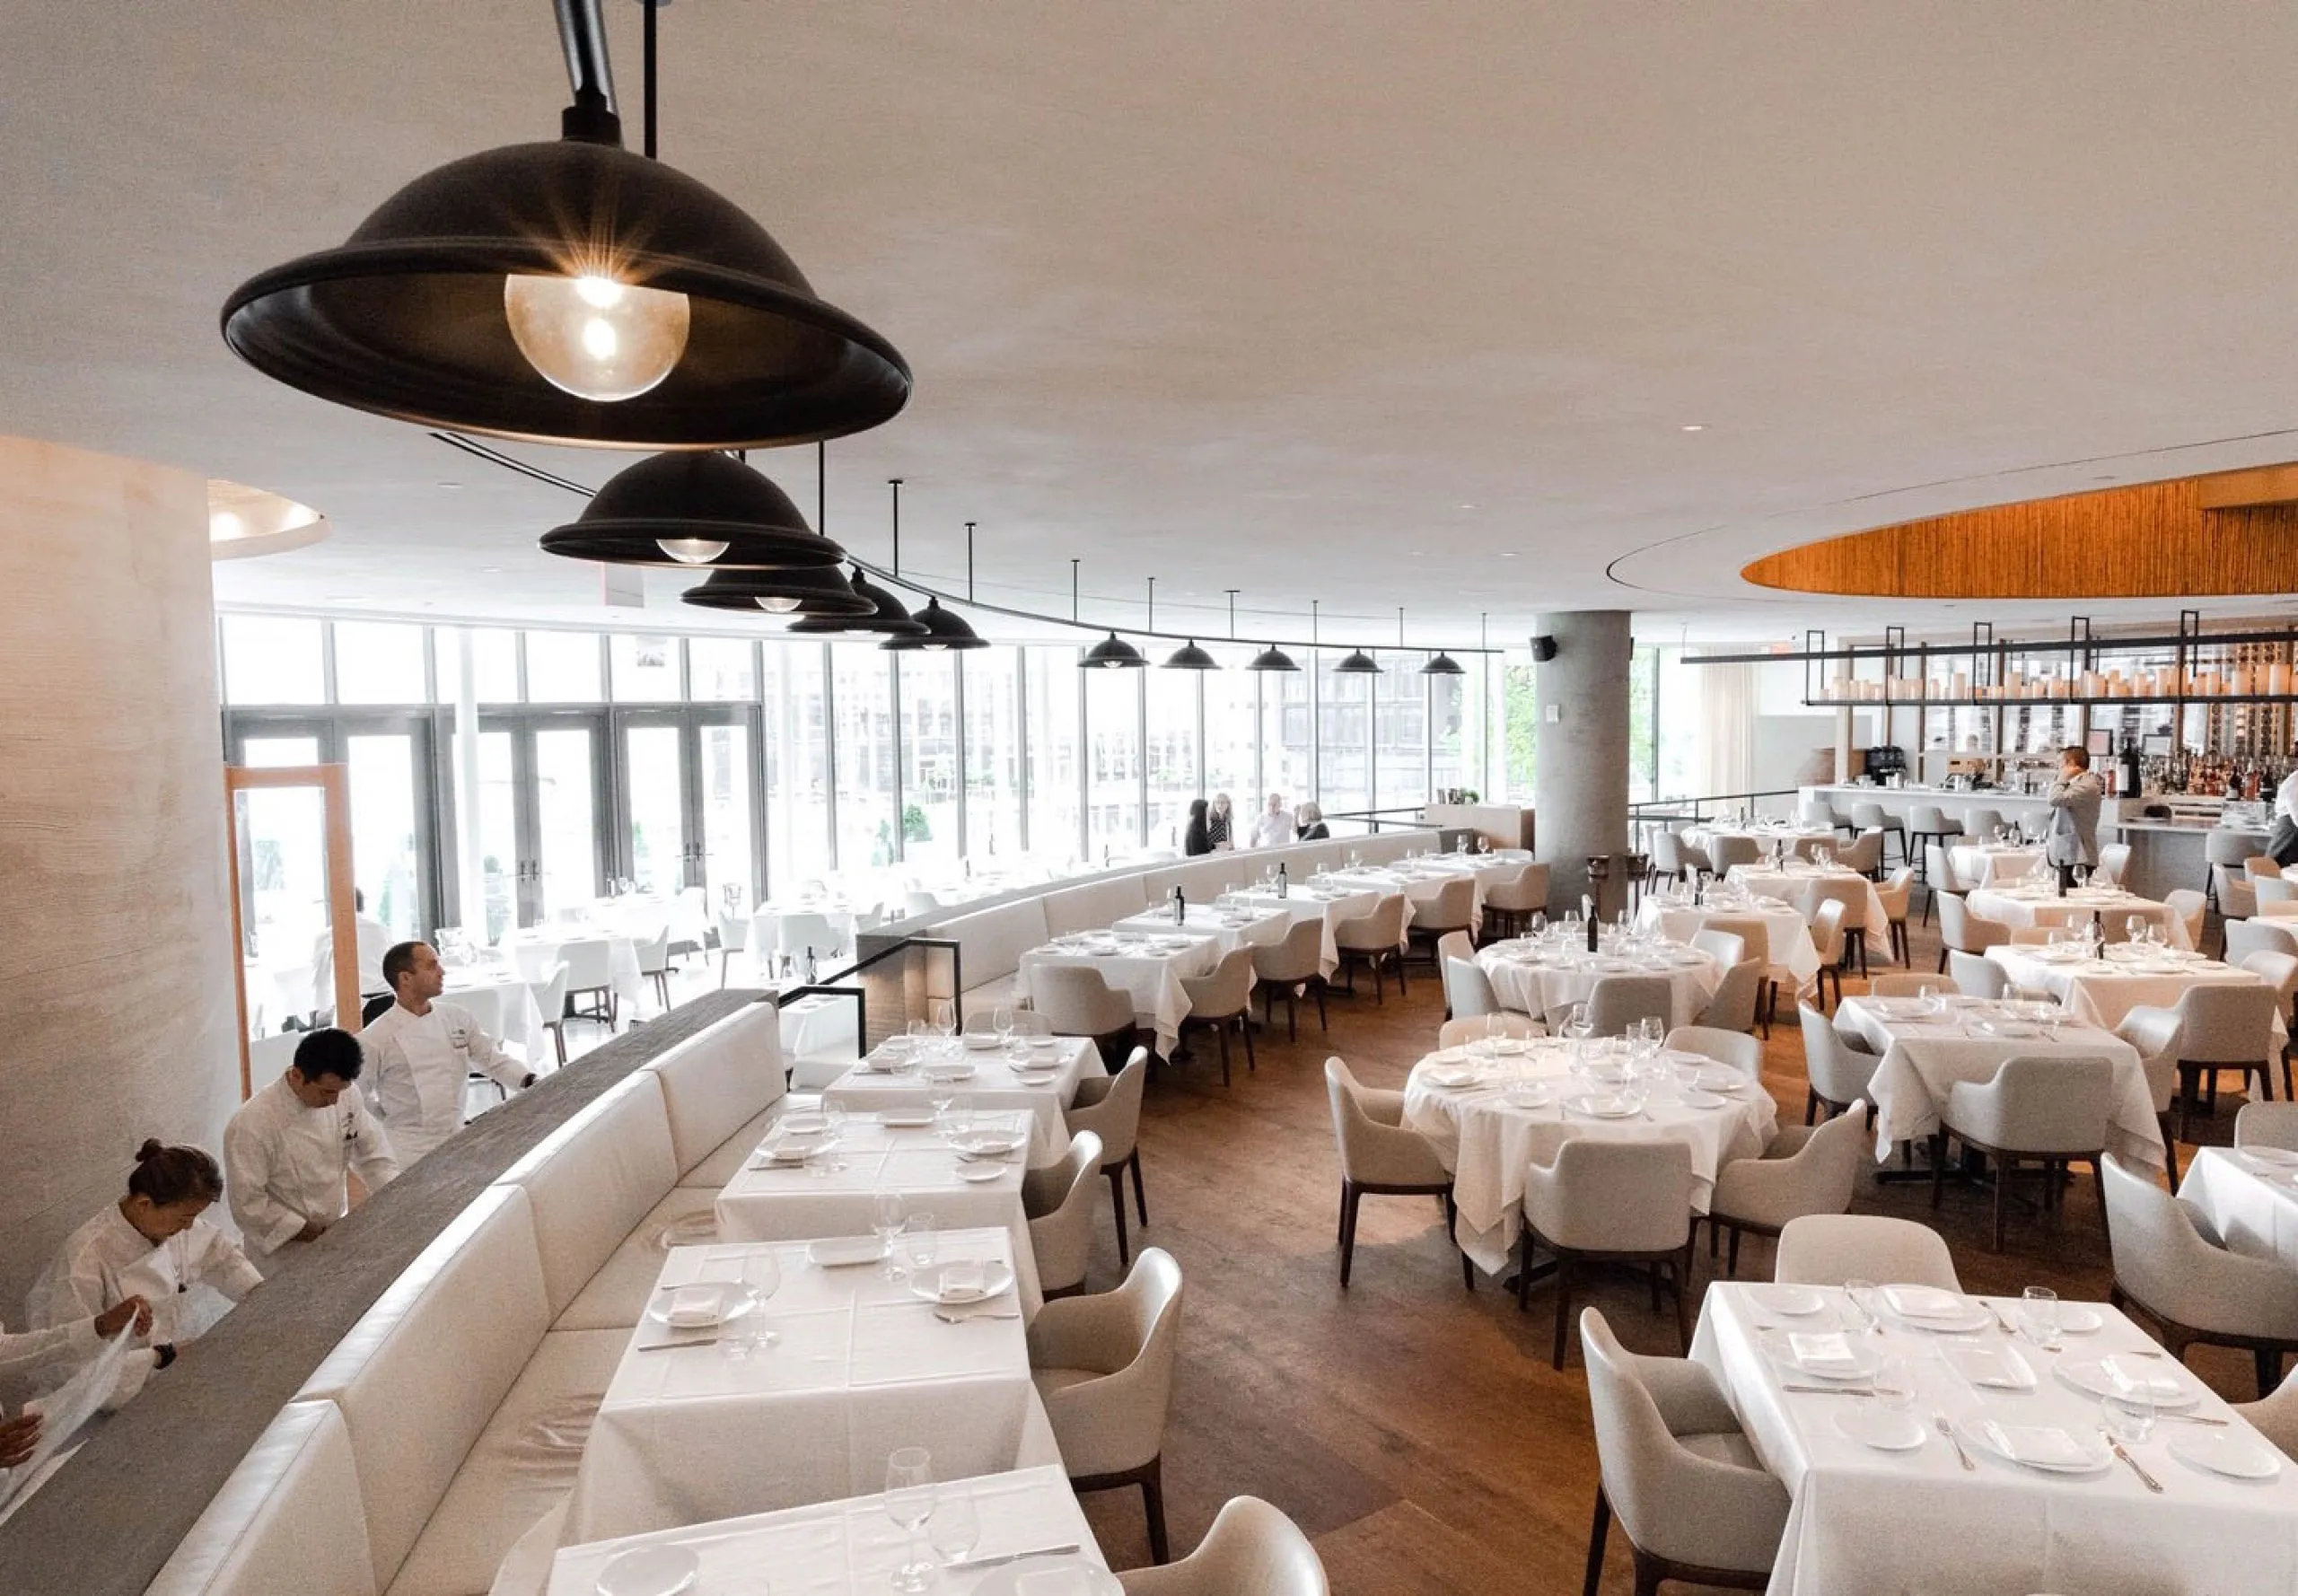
1927	823
2221	845
1981	824
1874	817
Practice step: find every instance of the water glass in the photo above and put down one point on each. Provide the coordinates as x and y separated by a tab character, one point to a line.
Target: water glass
2039	1312
762	1273
1893	1385
955	1529
1001	1020
910	1503
2129	1414
888	1213
920	1244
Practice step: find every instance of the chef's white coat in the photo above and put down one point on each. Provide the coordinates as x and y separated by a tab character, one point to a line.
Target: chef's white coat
419	1064
283	1164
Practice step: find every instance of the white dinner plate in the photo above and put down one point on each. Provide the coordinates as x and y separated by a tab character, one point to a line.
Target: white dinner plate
1989	1368
947	1072
906	1119
1929	1308
1794	1301
1696	1099
2045	1448
1835	1355
982	1042
2281	1158
981	1174
801	1122
793	1151
2093	1378
1031	1074
1084	1579
651	1571
1881	1427
2224	1452
2075	1319
1723	1082
1603	1106
990	1142
926	1284
838	1252
735	1300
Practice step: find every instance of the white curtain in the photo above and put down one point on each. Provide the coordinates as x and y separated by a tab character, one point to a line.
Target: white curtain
1727	728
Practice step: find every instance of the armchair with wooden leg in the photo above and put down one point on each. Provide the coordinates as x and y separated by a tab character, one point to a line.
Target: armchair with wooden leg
1080	1002
1962	931
1616	1202
1374	938
1380	1157
2049	1110
1805	1169
2194	1290
1838	1073
1058	1200
1292	964
1223	1000
1110	1105
1450	912
1510	902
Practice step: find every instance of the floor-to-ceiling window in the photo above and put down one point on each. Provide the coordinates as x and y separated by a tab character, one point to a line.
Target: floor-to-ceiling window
863	733
1400	732
1113	769
1232	728
1057	761
1288	742
1344	737
1171	753
798	786
930	776
994	730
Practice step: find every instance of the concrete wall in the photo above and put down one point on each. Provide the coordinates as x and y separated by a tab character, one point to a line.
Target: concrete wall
1581	776
116	1004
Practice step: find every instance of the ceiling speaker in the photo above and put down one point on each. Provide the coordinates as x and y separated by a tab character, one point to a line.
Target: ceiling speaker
1543	648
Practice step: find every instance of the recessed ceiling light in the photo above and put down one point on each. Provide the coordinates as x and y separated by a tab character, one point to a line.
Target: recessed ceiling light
1695	427
1467	506
1508	553
451	485
490	570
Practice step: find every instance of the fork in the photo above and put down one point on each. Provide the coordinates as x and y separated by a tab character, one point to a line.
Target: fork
2152	1483
1948	1430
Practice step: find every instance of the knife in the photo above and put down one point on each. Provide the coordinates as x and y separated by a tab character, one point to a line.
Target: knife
675	1346
968	1564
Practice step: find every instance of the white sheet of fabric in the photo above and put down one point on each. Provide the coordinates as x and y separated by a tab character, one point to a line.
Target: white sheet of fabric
1731	697
993	1085
1227	932
2253	1204
2102	991
2041	906
821	1036
1794	956
835	1548
535	951
1922	1060
1421	879
283	1164
503	1004
1864	1519
1153	980
416	1068
1982	865
1301	901
1790	884
1533	980
108	1260
1488	1144
788	1202
863	1367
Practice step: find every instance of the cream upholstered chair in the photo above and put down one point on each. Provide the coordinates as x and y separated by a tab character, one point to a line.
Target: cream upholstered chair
1939	875
1058	1200
983	1021
2195	1291
1819	814
2271	888
1838	1072
1697	861
1379	1155
1734	1048
590	974
1459	1034
1830	1249
1974	977
2275	1416
1110	1105
550	998
2051	1111
1292	964
1729	849
1432	919
1963	932
1898	897
1804	1171
1512	901
733	937
1374	938
1467	990
1686	1486
1927	825
2245	937
2268	1125
1223	998
1616	1002
1827	936
1252	1550
2279	970
1902	983
2032	936
1980	824
2209	1029
1874	817
1080	1002
2114	864
1732	1006
1609	1201
1667	858
1724	947
1864	853
654	963
2188	905
2238	899
1103	1366
806	931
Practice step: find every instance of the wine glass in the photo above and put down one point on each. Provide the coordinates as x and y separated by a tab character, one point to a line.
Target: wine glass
762	1273
2128	1414
921	1244
955	1529
1001	1020
1538	925
888	1213
2038	1311
910	1503
945	1018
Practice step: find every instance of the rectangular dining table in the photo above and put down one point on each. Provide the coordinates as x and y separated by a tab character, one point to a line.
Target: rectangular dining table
2019	906
2102	991
1149	967
862	1365
874	1085
1864	1519
1304	902
2251	1196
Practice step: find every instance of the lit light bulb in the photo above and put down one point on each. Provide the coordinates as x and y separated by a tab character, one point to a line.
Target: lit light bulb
595	337
780	603
691	551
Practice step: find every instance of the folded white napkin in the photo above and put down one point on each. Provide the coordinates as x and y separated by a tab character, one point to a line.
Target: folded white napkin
1924	1302
2125	1375
2044	1446
694	1307
1829	1352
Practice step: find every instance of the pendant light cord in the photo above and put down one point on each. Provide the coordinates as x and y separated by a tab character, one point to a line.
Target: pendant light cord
653	9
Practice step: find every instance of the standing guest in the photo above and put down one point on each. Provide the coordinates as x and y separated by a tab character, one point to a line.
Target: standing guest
1309	822
36	1362
2281	843
2075	799
152	1243
289	1152
1273	830
1195	839
424	1051
1219	825
373	936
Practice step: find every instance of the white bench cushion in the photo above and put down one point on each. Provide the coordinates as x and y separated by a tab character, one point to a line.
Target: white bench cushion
617	1293
716	1082
521	1467
593	1179
1090	905
716	1172
992	941
288	1519
424	1369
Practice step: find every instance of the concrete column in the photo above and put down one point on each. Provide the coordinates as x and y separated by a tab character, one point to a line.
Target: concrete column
115	994
1580	784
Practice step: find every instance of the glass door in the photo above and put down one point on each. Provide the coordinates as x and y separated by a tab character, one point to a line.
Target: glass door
656	789
726	792
690	803
540	798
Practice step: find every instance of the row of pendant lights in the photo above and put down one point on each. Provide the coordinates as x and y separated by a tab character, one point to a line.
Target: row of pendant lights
575	293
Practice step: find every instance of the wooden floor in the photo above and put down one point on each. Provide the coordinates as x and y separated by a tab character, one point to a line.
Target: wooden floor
1415	1430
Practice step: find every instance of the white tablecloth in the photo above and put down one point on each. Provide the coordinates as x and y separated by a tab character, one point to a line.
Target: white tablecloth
2103	990
1302	902
2253	1203
864	1367
535	951
2031	906
1765	836
503	1005
1793	955
779	1203
1793	886
1982	865
1153	980
1488	1144
1536	981
821	1037
1421	879
1922	1060
1227	932
1869	1521
765	931
849	1548
993	1086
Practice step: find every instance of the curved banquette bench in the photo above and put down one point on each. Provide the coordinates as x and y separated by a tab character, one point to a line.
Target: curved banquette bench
435	1420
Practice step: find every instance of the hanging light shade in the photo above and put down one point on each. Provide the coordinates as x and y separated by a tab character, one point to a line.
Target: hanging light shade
1190	657
886	615
570	293
1113	652
1442	664
698	509
1272	659
939	630
780	593
1357	662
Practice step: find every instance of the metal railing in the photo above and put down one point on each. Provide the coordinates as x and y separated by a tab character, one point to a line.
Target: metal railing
1372	819
1672	814
889	986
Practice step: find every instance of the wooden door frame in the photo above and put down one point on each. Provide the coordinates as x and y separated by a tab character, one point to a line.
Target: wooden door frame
334	783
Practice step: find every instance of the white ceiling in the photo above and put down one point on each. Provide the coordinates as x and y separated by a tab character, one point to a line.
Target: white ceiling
1318	301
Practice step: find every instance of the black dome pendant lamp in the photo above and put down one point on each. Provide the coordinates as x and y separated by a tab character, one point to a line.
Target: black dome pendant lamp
886	616
570	293
693	509
1112	652
941	630
1439	663
780	593
1189	656
1357	662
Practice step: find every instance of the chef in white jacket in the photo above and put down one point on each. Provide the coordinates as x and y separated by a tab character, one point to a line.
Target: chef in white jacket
151	1243
422	1051
289	1151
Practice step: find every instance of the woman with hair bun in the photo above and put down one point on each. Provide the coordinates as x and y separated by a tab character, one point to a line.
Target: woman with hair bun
152	1243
